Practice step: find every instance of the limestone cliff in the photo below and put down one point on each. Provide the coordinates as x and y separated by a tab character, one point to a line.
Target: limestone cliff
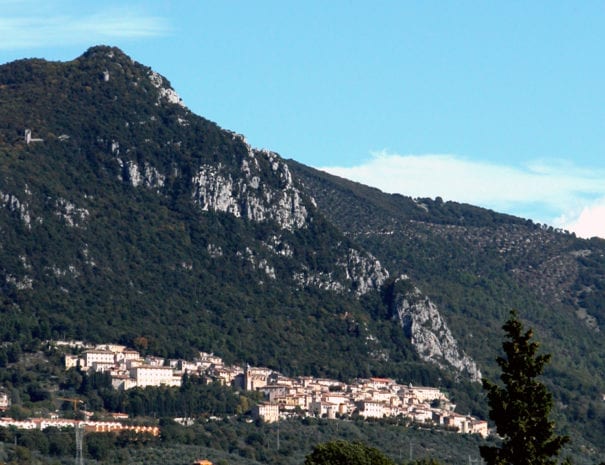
246	195
364	271
429	333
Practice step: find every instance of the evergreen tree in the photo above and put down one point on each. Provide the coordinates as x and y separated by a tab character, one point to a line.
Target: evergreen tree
522	406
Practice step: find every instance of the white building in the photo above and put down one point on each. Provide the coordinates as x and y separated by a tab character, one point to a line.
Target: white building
111	347
425	394
99	356
102	367
127	354
273	392
370	409
380	383
26	424
4	401
380	396
205	357
336	398
321	408
294	401
71	361
421	415
269	413
154	376
28	137
154	361
188	367
256	377
123	382
467	424
479	427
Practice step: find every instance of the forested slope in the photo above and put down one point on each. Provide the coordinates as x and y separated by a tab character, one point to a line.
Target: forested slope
125	217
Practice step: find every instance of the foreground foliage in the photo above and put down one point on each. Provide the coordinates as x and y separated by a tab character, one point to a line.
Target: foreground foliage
521	407
236	441
346	453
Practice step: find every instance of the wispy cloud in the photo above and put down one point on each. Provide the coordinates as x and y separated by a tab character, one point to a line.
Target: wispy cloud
30	29
551	192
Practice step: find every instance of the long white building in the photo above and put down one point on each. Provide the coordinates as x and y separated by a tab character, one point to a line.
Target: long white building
154	376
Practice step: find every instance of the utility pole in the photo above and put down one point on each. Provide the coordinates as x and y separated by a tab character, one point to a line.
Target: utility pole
278	432
79	443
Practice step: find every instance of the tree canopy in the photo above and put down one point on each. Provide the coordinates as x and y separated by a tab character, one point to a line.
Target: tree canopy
521	407
346	453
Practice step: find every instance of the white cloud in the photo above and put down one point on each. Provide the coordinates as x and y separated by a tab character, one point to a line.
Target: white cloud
589	223
551	192
30	29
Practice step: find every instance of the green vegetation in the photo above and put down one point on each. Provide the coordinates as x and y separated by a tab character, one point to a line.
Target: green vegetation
346	453
196	396
521	408
236	441
476	265
103	260
88	253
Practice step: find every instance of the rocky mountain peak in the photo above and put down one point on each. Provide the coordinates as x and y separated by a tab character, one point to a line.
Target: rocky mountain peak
105	52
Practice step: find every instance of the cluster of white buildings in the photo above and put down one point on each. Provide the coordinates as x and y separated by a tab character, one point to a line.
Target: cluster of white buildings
367	398
285	396
89	426
126	367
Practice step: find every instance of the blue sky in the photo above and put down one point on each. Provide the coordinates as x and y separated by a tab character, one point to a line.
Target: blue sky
497	104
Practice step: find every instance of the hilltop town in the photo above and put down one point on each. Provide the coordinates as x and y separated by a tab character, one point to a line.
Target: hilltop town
284	396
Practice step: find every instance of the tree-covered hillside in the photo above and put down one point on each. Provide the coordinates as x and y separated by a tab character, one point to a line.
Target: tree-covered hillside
478	265
131	219
125	217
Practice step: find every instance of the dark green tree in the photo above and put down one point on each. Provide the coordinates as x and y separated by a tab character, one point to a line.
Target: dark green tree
521	407
346	453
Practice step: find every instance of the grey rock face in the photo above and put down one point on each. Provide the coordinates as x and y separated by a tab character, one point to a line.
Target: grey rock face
70	213
364	271
261	264
166	93
320	280
430	335
11	202
247	196
146	175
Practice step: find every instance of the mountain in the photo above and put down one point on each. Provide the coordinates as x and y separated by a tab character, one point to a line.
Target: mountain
126	217
476	265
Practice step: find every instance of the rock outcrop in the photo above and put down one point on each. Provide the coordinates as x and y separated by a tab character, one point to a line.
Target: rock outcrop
11	202
364	271
166	93
145	175
429	333
246	195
